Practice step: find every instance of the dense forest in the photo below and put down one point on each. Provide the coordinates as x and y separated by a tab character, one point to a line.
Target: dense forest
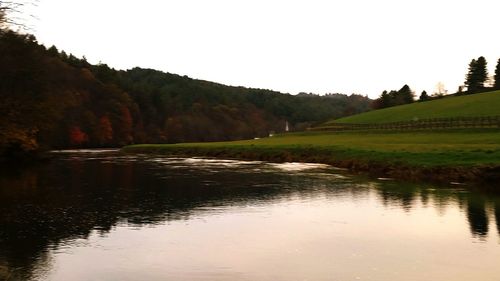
52	100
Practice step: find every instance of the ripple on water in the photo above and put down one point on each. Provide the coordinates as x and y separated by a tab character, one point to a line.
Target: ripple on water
85	150
297	166
203	162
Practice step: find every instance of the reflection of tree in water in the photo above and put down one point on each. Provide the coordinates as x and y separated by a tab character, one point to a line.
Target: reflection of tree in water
398	194
403	195
45	207
477	217
497	216
425	196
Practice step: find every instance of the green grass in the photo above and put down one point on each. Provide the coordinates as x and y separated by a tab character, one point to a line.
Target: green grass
484	104
405	154
415	148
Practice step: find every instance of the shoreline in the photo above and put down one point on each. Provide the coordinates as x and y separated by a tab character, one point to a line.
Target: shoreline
476	175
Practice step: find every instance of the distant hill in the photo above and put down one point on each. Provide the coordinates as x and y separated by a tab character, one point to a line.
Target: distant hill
476	105
49	99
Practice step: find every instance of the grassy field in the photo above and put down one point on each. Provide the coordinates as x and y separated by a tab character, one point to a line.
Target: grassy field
424	154
422	148
484	104
469	155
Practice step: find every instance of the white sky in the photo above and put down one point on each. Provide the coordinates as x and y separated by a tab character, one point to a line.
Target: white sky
356	46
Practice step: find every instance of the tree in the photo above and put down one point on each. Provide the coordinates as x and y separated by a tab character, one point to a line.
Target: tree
497	76
477	75
53	51
393	98
404	95
2	16
22	99
77	136
5	9
8	12
481	71
440	90
105	131
123	130
423	96
383	101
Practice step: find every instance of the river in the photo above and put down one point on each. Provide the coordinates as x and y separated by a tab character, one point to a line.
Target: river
102	215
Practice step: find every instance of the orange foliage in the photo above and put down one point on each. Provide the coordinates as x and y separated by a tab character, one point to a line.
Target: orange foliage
77	136
105	132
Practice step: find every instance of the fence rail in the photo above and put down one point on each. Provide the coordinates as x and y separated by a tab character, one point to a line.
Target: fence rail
435	123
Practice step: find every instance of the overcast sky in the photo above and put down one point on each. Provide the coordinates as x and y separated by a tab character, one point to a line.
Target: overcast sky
350	46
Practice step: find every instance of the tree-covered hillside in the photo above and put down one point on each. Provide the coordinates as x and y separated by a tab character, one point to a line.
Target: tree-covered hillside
49	99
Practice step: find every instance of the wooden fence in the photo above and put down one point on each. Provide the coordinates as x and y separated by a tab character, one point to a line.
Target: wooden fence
435	123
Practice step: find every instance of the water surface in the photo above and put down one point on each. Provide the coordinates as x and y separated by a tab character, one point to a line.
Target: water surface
100	215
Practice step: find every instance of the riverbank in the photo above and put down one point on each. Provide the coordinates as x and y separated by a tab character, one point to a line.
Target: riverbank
464	156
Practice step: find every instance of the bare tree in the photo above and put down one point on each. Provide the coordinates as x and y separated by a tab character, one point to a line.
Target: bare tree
11	13
440	89
7	8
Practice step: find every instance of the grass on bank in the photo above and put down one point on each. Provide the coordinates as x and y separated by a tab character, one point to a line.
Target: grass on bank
416	148
476	105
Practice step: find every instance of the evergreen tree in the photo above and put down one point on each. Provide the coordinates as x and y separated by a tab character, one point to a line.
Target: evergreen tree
423	96
470	79
477	75
482	71
63	56
497	76
384	101
53	51
404	95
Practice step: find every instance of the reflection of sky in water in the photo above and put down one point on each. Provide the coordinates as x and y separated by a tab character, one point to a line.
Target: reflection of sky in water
119	217
294	166
207	163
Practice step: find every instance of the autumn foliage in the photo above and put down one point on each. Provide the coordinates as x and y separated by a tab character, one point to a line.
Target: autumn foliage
105	131
77	137
52	100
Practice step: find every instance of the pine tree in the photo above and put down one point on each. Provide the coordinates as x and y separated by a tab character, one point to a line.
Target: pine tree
482	71
497	76
477	75
53	51
423	96
385	100
470	79
404	95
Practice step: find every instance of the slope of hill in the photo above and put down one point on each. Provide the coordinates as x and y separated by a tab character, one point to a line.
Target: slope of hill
49	99
484	104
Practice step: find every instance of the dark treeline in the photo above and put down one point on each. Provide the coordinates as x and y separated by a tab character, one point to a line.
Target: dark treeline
49	99
393	98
